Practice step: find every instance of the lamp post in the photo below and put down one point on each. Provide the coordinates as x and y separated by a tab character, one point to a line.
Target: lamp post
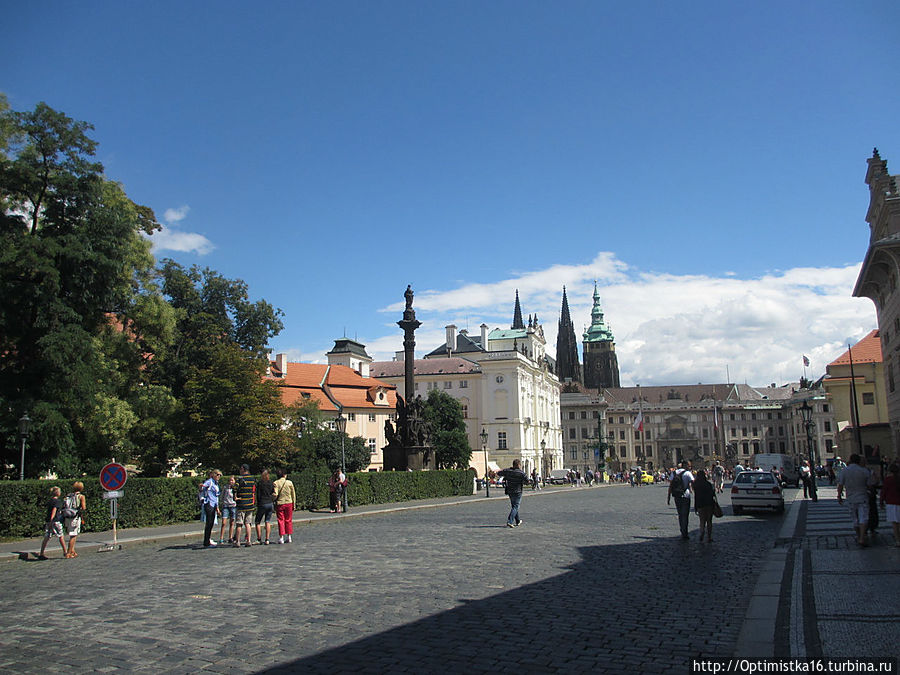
806	411
487	479
24	428
341	424
544	458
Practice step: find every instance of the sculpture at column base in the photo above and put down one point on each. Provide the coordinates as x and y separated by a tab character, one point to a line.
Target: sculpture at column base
409	445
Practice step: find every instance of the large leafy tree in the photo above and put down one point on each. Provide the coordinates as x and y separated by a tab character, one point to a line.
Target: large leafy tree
214	366
444	417
327	448
75	275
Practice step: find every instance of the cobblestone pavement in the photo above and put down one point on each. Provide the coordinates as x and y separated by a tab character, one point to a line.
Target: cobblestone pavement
594	580
837	600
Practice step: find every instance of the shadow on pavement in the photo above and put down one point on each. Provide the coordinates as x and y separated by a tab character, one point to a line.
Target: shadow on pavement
613	611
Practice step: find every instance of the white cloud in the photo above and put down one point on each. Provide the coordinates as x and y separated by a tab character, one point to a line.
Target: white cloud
171	239
669	329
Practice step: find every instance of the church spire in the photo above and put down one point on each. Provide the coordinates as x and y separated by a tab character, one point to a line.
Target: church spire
567	365
517	314
599	331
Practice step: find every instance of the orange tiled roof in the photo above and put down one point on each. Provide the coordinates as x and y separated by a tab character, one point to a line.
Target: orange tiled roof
351	389
867	350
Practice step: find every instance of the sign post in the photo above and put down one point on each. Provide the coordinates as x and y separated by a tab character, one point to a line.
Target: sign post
112	478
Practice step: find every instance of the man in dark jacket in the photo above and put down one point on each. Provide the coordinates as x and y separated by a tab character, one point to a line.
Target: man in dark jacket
514	479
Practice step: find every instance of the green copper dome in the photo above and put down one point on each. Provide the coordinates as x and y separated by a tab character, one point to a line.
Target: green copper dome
598	332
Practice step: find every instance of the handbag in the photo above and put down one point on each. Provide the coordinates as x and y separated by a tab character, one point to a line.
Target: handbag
717	510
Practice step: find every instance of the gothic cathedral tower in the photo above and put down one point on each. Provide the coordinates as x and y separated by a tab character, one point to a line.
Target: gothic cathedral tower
601	366
567	366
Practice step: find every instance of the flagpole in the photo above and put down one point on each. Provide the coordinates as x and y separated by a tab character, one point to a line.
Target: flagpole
854	409
641	428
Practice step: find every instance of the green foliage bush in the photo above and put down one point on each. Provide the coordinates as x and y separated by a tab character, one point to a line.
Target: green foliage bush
149	502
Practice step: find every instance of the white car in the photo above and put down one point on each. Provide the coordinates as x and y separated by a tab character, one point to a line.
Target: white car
756	490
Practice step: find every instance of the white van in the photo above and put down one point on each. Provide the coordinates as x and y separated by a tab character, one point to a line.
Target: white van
787	466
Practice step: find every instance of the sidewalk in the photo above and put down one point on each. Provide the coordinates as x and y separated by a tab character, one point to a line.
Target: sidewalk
819	594
93	542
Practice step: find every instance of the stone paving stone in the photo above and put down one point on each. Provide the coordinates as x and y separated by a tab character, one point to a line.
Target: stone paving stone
591	569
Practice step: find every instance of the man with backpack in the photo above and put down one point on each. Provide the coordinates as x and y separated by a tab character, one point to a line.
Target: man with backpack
680	488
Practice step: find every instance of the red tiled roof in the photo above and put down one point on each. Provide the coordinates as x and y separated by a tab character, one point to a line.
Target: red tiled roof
350	388
867	350
436	366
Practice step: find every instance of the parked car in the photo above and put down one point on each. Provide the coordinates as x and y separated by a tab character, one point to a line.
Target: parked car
558	477
756	490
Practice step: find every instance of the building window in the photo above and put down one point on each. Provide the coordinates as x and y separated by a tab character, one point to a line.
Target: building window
465	410
584	414
621	435
416	386
745	448
868	398
448	385
827	425
463	384
621	420
573	454
705	432
571	414
501	440
573	433
829	445
585	432
351	417
890	370
372	449
371	417
825	407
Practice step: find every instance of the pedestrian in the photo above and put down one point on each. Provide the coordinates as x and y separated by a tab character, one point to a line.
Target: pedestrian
577	478
245	497
805	479
54	525
704	503
856	480
228	510
73	513
837	467
718	473
737	469
265	505
336	485
210	492
514	480
890	499
285	498
534	480
680	488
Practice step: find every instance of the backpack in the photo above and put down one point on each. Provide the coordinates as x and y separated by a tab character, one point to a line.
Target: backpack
71	507
677	485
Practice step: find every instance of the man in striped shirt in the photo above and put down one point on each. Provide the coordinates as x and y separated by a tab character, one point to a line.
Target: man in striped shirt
245	496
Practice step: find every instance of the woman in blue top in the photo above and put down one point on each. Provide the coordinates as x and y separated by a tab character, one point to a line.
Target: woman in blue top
210	491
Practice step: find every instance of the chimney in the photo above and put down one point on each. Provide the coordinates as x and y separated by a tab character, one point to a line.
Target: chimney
451	339
400	356
281	363
484	340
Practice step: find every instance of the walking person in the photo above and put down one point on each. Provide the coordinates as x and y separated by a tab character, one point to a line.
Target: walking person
228	511
210	492
336	485
805	474
265	505
680	488
856	480
54	524
73	514
704	503
514	480
890	499
285	498
718	473
245	497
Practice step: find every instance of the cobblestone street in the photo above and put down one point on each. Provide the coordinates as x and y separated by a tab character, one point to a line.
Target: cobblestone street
587	583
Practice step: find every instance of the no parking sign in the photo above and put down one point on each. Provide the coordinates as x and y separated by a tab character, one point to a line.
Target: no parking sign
113	476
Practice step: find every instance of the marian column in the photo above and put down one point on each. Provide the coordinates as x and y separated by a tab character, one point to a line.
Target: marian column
409	324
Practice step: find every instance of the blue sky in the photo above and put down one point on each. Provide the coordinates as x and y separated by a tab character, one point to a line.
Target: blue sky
703	161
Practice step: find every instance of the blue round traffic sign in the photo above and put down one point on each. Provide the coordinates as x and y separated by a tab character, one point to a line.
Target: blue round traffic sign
113	476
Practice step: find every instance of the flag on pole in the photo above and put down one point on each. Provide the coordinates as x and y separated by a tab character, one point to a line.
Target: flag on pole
806	361
639	421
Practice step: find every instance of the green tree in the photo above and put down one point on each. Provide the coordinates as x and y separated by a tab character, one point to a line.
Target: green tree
327	448
73	263
443	414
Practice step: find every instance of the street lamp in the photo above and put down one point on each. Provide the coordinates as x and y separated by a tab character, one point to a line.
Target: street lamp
341	424
806	411
487	479
24	428
544	457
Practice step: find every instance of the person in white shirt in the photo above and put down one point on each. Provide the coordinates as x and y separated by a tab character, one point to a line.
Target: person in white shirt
856	480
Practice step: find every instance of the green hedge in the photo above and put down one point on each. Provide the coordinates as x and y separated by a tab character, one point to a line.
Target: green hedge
162	501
